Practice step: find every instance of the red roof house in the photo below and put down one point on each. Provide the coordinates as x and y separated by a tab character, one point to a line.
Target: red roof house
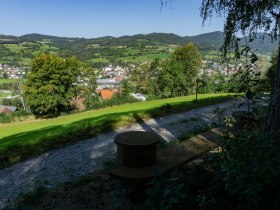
107	94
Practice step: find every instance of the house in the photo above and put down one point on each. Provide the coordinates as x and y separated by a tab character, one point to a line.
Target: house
106	83
7	109
138	96
106	94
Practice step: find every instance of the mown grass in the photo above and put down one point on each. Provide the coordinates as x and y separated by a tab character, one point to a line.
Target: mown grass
8	81
19	141
3	95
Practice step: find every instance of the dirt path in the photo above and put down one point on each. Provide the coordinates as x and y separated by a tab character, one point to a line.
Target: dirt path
71	162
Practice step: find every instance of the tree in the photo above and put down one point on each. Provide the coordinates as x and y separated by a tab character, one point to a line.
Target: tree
172	79
271	70
5	75
250	17
126	88
51	84
145	79
189	57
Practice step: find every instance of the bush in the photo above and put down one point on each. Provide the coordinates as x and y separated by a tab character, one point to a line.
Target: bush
12	102
250	167
117	99
8	118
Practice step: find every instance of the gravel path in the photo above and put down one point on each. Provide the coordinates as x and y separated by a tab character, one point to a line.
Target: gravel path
71	162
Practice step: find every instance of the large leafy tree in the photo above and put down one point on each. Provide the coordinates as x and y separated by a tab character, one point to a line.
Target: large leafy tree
189	57
249	17
178	74
52	83
172	79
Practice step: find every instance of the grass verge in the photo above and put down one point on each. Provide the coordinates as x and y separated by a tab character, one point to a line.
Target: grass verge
19	141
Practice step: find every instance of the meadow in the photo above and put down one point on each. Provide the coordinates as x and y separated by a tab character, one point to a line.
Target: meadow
2	81
19	141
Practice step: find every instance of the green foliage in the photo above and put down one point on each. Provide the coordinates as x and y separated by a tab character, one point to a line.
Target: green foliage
170	77
126	88
250	168
12	117
8	84
190	58
247	17
52	83
23	140
271	70
164	194
216	83
248	77
117	99
4	51
172	81
100	52
13	102
179	73
18	115
31	199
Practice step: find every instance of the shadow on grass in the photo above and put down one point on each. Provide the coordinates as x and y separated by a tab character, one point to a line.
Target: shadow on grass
24	145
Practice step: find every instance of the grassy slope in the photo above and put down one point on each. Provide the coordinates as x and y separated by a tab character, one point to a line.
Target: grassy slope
3	95
19	141
8	81
16	48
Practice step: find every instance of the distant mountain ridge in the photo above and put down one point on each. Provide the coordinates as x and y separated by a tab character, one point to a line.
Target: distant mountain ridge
207	40
107	50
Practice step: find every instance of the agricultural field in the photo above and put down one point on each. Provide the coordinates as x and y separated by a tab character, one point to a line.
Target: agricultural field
4	94
23	53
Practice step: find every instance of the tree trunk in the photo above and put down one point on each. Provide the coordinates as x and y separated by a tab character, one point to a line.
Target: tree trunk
273	117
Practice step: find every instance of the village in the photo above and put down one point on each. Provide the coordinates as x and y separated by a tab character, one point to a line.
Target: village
11	72
109	79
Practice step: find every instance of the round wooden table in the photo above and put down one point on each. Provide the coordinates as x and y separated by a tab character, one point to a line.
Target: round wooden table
136	149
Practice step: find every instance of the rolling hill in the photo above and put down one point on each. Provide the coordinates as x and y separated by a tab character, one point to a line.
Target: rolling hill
100	51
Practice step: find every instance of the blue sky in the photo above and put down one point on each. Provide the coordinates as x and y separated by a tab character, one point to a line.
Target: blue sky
96	18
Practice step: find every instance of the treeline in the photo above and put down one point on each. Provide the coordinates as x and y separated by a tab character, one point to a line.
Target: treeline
171	77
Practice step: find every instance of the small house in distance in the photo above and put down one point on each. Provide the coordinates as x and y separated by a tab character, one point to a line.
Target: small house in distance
107	83
106	94
7	109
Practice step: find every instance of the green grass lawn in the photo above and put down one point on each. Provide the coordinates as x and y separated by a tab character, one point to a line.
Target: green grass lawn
19	141
3	95
8	81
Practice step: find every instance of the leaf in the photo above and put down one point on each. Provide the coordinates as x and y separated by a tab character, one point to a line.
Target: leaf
254	58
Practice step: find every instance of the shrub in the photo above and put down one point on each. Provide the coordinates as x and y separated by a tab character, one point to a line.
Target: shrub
12	117
12	102
250	167
117	99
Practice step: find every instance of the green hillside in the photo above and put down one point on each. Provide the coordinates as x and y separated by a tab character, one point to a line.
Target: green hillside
104	50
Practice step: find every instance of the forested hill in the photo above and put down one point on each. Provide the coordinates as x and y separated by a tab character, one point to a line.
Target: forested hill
213	39
136	48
